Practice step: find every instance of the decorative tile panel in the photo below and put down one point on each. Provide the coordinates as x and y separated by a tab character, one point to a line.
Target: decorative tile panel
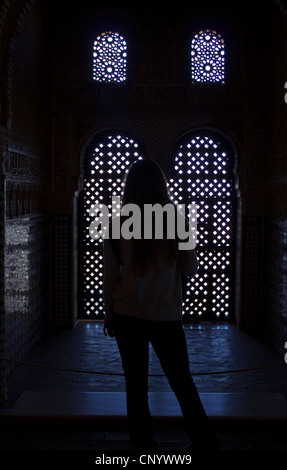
61	271
275	281
2	311
252	317
26	281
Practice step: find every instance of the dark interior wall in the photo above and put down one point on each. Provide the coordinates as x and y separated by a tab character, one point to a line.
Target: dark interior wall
275	185
25	141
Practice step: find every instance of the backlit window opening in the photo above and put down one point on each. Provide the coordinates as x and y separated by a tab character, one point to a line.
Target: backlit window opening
208	57
110	58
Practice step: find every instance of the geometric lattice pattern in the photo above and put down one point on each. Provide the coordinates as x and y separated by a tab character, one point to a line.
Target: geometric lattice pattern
110	159
110	58
207	57
203	175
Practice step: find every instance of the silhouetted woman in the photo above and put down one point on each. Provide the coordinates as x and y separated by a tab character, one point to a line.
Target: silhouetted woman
143	304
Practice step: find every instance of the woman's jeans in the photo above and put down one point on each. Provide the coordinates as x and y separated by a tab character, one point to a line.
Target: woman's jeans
133	336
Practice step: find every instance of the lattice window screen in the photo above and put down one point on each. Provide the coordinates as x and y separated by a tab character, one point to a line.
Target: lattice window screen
208	57
111	157
110	58
202	174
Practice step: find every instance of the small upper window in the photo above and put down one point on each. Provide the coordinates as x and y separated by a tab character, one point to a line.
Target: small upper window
207	57
110	58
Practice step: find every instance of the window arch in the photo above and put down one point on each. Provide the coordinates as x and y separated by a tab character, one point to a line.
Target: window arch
107	160
110	58
208	57
203	174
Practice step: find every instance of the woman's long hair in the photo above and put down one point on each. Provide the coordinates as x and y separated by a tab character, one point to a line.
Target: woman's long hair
145	183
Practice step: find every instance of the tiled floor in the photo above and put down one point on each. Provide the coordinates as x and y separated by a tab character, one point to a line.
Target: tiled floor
212	347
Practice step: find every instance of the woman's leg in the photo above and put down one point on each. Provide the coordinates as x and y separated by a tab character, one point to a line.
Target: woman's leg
133	344
168	341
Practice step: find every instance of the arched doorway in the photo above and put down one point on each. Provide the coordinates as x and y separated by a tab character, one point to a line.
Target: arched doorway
106	161
202	173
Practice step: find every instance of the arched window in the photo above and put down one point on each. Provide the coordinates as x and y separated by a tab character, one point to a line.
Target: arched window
208	57
110	58
107	161
202	174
